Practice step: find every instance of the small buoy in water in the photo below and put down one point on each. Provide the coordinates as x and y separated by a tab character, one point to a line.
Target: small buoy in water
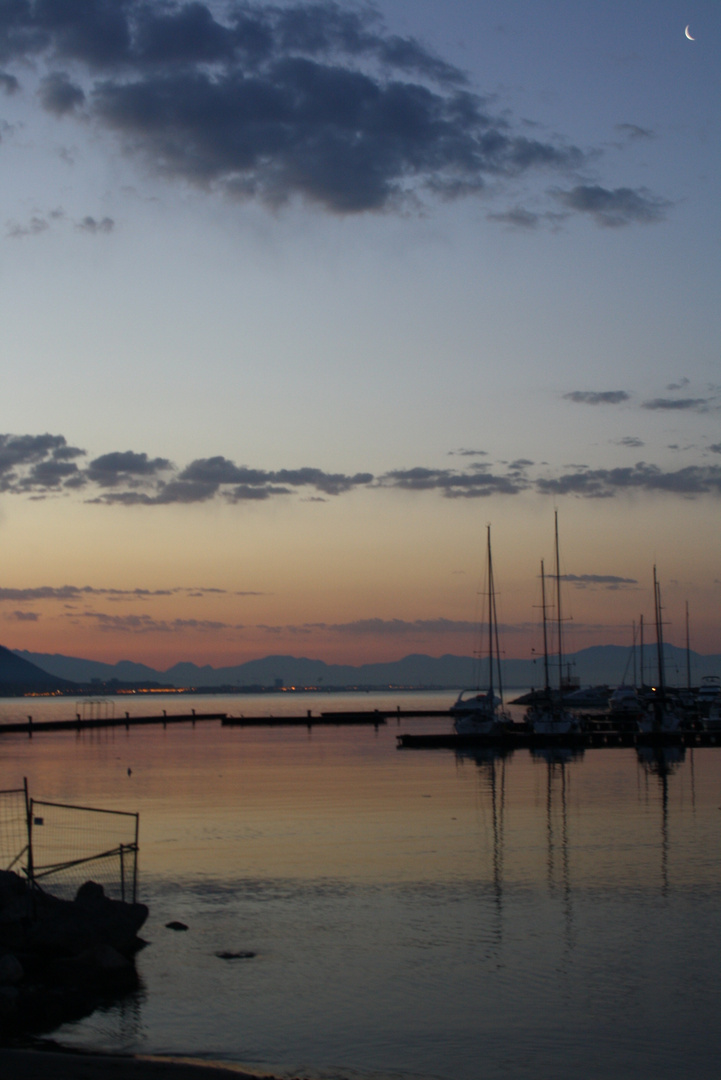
130	771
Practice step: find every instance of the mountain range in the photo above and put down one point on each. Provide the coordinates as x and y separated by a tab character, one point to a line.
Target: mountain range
599	664
19	675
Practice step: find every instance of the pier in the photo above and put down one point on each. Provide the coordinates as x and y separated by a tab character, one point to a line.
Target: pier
30	726
599	732
582	740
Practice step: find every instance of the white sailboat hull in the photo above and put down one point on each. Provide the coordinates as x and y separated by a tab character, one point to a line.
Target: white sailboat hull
543	722
668	721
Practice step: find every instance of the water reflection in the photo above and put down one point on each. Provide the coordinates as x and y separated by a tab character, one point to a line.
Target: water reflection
662	762
491	764
558	869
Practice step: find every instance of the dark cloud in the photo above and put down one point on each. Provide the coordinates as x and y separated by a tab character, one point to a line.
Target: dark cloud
40	223
605	483
23	616
633	131
453	485
211	473
36	224
36	462
44	465
609	581
621	206
631	441
9	83
680	385
59	95
339	137
397	627
175	491
517	218
680	404
316	100
109	470
597	397
329	483
146	624
76	592
93	225
392	628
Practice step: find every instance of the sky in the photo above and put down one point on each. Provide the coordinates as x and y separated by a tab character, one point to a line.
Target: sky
297	298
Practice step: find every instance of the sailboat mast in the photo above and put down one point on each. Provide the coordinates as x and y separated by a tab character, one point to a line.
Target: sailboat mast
545	628
640	620
490	619
498	647
558	613
659	635
688	653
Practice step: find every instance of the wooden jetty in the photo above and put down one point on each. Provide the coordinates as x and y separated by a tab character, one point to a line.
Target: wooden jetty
30	726
357	716
327	719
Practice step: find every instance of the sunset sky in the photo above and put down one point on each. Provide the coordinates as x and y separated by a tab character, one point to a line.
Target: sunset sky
297	298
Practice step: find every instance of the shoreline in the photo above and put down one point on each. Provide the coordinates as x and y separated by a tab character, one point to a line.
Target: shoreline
58	1064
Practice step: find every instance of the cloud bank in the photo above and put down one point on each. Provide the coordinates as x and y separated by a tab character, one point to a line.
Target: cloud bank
41	466
312	100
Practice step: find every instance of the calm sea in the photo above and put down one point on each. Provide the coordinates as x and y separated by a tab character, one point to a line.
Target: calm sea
409	913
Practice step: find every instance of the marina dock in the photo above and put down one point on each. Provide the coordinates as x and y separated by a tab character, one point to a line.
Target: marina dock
599	732
583	740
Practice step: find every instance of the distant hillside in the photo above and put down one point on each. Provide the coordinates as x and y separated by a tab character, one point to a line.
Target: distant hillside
19	675
599	664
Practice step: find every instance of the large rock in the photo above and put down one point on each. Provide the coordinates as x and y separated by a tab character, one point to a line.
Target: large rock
61	959
68	927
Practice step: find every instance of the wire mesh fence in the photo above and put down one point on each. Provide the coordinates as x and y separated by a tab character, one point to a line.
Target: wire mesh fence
72	844
13	828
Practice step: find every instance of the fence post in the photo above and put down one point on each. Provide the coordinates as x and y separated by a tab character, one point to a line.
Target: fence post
29	825
122	873
135	860
30	871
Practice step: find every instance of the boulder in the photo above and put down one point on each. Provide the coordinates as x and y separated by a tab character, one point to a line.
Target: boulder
62	959
69	927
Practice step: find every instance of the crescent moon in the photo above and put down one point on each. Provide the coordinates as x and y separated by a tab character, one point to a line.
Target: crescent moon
687	33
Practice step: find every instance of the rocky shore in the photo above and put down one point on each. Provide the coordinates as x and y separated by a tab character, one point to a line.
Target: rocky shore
62	959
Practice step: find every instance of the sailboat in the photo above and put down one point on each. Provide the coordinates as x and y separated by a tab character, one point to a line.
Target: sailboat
480	712
547	716
660	717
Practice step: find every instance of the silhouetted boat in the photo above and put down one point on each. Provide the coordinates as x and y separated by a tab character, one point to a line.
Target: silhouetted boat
625	702
660	715
708	694
480	712
548	716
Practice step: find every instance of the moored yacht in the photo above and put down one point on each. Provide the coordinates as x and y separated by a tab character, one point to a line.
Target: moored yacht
660	715
548	716
481	712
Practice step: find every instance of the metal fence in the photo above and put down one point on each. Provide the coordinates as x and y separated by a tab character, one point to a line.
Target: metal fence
59	846
14	816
